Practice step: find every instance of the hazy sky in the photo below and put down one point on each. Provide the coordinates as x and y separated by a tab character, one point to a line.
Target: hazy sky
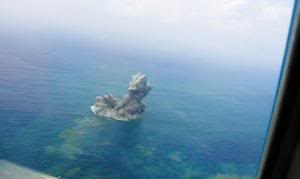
243	31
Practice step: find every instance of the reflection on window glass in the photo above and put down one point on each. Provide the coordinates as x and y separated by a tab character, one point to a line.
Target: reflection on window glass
138	89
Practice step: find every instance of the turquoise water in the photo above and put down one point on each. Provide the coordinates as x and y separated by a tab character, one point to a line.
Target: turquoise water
202	120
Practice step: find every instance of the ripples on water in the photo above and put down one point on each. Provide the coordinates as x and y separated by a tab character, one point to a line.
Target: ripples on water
198	124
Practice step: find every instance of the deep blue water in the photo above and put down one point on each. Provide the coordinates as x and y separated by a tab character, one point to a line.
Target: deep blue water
202	120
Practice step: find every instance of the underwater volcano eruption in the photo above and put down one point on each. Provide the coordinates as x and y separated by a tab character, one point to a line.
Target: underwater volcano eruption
130	106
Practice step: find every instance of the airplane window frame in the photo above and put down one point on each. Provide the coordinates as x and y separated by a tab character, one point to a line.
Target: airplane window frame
284	134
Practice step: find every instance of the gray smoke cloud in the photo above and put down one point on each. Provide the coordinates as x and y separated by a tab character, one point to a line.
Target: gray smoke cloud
128	108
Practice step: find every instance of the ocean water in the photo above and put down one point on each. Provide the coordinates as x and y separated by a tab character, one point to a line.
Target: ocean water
202	120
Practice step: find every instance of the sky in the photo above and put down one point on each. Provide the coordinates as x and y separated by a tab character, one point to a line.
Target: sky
239	31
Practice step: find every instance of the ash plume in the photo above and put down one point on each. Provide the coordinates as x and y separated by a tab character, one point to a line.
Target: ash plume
128	108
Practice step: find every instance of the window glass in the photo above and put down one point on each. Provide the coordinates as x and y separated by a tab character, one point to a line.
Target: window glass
185	87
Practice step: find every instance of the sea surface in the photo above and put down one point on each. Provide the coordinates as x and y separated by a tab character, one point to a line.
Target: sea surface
203	119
